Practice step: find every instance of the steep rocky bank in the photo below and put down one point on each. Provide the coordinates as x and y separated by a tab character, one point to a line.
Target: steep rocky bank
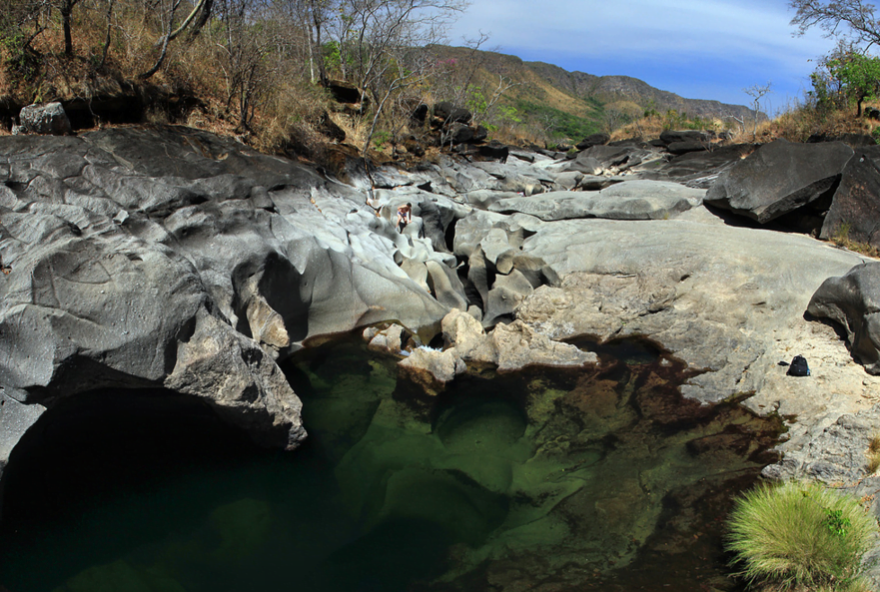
171	258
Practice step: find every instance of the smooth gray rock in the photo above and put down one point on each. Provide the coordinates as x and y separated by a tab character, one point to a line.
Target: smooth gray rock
696	169
632	200
567	181
177	259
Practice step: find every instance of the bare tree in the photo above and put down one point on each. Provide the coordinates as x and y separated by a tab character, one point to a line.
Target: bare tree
244	41
833	15
613	117
757	92
167	10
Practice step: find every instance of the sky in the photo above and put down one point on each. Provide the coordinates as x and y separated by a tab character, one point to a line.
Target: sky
699	49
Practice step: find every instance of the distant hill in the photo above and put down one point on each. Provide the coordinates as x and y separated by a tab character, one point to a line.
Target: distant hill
616	88
578	102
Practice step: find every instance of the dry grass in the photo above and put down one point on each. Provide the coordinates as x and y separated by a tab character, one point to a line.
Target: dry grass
841	239
288	106
873	454
797	125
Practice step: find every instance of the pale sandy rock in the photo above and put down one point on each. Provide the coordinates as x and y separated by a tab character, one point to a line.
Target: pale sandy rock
462	332
726	300
432	369
517	345
389	339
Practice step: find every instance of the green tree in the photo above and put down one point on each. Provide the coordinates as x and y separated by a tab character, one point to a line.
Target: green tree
859	76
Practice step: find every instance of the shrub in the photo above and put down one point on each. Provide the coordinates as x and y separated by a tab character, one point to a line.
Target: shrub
801	537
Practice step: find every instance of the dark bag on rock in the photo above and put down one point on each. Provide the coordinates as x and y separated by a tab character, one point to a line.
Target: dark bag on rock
799	367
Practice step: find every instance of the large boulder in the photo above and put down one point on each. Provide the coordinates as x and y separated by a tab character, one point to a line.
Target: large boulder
585	164
44	119
670	137
855	208
853	302
686	147
727	300
593	140
779	178
449	113
458	133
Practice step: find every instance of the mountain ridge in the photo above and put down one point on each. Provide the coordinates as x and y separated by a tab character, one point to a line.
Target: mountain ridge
579	103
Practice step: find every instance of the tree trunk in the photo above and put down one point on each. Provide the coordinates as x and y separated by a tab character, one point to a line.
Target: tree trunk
319	51
66	9
106	48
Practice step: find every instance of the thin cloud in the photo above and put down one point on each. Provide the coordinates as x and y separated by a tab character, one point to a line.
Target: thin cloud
681	42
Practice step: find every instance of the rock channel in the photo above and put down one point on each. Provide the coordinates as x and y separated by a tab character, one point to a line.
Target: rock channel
173	258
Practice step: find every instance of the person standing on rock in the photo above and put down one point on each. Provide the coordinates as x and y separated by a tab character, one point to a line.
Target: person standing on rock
404	216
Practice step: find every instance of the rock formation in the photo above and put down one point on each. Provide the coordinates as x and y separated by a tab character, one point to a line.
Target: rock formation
166	257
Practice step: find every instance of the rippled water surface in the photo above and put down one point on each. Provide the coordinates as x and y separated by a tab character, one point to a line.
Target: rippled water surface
556	480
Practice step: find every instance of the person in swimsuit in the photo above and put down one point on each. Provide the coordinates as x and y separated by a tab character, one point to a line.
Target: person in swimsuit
404	216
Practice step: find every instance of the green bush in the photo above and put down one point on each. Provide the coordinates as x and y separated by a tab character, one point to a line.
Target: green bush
801	537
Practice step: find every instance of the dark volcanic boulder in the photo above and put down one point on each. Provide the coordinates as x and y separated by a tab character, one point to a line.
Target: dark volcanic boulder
458	133
853	301
420	114
586	164
685	147
672	136
701	168
449	113
606	157
780	178
495	150
855	209
594	140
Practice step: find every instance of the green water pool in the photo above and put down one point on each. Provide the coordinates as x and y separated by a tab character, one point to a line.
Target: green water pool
558	480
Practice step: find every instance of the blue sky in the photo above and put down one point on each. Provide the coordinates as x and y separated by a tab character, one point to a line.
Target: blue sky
699	49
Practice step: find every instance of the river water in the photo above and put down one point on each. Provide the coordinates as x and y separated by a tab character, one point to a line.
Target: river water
550	480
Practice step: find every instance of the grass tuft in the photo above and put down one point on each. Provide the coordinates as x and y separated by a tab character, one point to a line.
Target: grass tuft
801	537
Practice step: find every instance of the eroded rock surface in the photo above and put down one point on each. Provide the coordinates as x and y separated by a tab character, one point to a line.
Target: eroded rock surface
170	257
173	258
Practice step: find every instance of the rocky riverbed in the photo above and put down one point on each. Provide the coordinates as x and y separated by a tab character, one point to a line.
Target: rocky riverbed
171	258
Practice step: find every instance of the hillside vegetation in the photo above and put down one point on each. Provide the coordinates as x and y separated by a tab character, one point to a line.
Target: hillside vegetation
291	76
287	75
